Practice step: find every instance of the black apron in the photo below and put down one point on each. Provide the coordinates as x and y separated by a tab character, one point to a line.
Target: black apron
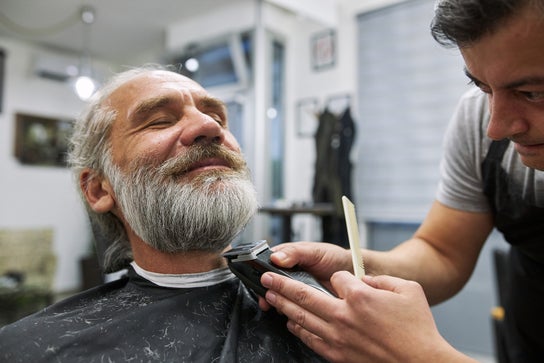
522	225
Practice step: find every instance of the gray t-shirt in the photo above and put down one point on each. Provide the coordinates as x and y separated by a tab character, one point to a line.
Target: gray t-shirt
466	145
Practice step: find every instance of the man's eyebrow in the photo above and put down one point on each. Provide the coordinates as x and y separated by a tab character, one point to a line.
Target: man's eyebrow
149	105
212	102
526	81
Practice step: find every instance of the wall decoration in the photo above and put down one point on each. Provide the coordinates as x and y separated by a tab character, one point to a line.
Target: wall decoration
42	141
307	111
324	50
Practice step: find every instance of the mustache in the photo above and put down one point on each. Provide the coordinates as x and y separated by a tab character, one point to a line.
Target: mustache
184	163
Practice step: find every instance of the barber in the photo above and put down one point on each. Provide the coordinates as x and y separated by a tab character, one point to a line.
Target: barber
491	177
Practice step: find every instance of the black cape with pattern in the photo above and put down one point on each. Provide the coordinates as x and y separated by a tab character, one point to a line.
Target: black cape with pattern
134	320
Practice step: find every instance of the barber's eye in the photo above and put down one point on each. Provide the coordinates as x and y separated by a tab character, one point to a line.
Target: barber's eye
534	96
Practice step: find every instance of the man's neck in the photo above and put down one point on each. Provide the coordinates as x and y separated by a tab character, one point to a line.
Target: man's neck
153	260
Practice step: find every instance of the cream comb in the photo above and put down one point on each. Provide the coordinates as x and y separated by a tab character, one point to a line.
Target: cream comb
353	235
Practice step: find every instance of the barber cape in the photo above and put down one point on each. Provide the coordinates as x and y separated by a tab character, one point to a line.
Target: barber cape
215	319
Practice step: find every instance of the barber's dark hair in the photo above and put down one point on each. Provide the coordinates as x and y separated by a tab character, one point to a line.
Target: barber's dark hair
462	22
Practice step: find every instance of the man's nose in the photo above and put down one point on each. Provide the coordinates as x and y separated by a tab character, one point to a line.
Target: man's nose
506	119
201	128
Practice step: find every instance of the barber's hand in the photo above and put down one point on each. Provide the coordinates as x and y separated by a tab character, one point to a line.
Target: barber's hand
381	319
318	258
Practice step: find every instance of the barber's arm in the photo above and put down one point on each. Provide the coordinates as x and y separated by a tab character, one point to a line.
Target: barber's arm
382	319
440	256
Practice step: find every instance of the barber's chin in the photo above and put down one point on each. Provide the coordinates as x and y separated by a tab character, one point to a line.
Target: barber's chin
534	160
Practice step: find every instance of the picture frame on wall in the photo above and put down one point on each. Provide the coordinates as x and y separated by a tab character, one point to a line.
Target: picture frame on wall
323	46
42	141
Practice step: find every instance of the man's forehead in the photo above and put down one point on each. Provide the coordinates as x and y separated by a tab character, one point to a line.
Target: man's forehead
150	84
161	79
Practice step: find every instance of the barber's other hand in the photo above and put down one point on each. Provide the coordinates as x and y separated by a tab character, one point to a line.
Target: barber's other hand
381	319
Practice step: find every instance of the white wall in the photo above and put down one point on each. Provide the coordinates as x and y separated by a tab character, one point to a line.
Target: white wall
34	197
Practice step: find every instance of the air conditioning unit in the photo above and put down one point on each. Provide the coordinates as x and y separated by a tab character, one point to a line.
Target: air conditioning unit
56	67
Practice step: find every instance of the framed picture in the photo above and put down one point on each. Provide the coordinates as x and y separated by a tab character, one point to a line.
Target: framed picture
42	141
323	50
307	117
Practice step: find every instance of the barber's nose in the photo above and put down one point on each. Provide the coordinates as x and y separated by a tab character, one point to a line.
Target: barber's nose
201	128
507	118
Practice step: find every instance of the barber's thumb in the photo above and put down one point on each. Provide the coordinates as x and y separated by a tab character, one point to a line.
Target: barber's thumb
282	259
342	280
383	282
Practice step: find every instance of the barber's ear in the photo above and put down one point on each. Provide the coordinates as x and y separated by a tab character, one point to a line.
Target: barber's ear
97	191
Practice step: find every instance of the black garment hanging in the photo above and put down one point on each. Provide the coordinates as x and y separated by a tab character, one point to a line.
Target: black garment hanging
522	225
346	134
334	139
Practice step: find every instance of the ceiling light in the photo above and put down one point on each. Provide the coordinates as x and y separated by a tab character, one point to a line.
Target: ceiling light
85	87
192	64
84	84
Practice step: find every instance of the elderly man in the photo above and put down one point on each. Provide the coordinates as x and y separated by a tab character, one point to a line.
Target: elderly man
164	181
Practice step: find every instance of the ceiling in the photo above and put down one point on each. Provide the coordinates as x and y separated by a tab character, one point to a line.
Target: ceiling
122	29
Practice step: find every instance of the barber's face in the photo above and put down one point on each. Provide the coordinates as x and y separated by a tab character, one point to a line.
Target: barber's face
159	116
508	65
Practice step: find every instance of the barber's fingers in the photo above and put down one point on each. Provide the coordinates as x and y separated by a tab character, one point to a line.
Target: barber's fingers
310	313
263	304
316	343
303	304
346	285
349	287
318	258
394	284
296	253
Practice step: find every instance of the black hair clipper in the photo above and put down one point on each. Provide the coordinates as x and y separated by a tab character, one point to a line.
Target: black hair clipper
249	261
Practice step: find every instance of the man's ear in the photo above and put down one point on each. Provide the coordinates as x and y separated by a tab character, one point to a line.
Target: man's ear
97	191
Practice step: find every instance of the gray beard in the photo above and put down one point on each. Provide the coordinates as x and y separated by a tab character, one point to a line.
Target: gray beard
175	214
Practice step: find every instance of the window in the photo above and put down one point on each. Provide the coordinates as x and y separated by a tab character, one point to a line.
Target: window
226	62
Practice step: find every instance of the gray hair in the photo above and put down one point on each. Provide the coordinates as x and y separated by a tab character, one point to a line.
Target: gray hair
90	147
462	22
